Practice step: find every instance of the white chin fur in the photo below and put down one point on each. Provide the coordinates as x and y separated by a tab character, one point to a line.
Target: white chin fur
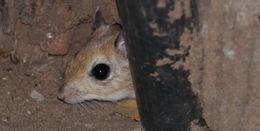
74	100
113	97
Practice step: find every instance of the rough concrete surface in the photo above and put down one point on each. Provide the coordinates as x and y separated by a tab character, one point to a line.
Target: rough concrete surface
225	64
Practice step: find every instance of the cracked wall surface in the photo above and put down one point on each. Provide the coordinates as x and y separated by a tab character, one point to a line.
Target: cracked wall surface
224	63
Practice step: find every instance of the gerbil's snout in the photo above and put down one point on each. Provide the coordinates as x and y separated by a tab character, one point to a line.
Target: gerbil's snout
100	70
61	95
68	95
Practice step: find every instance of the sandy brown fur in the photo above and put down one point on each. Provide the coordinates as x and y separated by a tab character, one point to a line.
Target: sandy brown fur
101	46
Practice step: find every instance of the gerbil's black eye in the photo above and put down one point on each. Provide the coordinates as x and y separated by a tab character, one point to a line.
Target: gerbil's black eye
101	71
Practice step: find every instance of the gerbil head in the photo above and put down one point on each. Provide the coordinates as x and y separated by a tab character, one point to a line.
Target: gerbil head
100	70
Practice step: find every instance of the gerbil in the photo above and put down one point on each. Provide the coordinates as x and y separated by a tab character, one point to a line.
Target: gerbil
100	70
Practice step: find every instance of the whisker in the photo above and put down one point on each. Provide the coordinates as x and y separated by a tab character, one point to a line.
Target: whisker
72	107
83	106
88	105
98	105
79	109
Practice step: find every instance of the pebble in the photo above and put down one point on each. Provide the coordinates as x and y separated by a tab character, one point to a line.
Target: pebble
36	96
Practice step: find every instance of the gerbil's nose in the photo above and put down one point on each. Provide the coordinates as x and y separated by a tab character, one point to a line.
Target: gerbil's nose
67	94
61	95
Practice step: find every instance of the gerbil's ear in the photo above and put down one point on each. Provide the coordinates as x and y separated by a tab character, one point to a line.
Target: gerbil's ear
99	19
120	45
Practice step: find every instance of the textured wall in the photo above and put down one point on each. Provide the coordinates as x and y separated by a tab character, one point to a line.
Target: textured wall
227	73
220	52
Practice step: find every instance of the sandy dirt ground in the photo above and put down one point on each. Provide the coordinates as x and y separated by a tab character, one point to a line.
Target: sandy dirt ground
37	40
28	102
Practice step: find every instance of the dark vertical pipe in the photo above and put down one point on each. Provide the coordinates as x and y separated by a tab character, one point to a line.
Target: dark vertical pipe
164	95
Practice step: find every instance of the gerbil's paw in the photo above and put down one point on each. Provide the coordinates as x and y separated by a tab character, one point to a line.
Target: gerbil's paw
128	108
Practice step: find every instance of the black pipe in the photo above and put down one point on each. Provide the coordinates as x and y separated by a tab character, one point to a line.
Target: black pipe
165	99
